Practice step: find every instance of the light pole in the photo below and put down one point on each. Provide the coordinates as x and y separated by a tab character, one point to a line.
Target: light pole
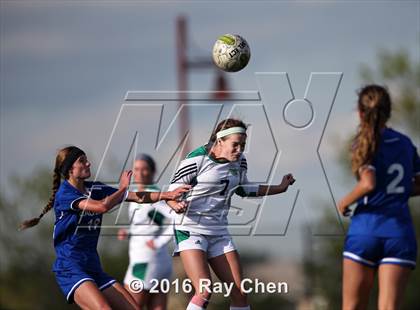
185	66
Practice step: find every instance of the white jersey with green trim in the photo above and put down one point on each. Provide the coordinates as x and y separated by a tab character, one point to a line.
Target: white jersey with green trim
149	221
213	184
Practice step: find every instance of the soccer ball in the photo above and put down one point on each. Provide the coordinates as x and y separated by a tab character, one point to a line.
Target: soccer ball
231	52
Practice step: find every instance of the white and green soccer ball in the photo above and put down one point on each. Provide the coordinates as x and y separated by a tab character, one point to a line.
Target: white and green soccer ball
231	52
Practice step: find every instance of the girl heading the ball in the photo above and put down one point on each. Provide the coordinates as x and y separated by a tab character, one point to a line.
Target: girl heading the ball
78	206
381	236
215	171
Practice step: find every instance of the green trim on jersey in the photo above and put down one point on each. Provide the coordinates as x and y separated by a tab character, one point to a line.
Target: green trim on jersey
202	151
139	270
156	217
242	193
181	235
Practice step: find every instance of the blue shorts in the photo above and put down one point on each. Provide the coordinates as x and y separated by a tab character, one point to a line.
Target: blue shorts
69	281
373	251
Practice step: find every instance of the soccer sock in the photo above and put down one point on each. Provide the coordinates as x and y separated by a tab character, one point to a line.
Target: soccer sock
197	303
191	306
240	308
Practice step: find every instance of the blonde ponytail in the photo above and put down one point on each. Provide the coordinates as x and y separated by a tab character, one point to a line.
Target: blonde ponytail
374	106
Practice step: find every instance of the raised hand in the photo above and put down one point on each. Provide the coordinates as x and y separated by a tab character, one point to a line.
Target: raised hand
125	178
178	206
287	180
122	234
177	193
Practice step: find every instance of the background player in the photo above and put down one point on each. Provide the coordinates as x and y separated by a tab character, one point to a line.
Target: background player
148	251
78	207
381	236
215	171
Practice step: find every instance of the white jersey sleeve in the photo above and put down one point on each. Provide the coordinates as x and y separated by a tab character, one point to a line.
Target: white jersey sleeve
187	173
246	188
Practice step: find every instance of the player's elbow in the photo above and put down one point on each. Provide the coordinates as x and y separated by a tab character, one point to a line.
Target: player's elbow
95	206
368	185
101	208
367	181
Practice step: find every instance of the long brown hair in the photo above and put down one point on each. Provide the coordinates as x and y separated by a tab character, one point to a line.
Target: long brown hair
57	175
374	105
226	124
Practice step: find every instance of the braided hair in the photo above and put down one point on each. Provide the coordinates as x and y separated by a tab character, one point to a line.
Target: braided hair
63	163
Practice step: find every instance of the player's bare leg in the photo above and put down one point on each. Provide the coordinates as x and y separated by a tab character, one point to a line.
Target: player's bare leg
119	298
357	284
196	267
392	282
228	269
157	302
141	299
87	296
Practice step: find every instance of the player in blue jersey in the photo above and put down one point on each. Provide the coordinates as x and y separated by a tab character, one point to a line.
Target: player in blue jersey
381	236
78	207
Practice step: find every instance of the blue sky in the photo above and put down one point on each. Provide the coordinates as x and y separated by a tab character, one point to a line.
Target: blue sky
67	65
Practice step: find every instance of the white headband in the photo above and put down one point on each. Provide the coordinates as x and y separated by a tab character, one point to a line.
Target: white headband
229	131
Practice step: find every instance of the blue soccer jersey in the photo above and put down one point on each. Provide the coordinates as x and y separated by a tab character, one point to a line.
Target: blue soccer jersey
76	232
384	212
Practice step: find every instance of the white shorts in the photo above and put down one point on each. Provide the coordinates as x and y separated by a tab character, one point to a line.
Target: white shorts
149	272
213	245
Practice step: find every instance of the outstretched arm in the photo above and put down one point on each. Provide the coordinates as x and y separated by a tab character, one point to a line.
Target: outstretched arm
104	205
148	197
266	190
366	184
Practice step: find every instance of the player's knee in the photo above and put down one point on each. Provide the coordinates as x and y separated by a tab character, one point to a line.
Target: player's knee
387	304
